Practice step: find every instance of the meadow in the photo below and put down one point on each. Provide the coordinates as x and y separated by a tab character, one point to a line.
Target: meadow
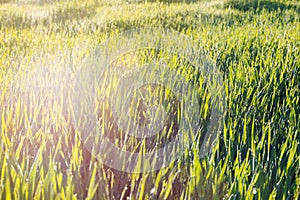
254	44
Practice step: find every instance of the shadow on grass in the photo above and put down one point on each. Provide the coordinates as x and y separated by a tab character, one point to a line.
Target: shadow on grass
258	6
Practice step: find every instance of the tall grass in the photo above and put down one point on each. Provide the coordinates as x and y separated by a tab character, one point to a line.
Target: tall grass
255	46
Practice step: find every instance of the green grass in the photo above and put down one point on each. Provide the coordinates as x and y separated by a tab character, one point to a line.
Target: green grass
256	46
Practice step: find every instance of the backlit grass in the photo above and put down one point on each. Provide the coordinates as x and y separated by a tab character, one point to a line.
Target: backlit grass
255	45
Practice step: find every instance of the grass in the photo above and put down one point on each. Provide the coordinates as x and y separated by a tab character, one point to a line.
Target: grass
256	46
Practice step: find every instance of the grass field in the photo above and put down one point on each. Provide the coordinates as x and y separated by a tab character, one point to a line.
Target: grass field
254	44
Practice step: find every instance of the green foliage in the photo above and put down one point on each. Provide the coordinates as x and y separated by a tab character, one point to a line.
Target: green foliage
256	44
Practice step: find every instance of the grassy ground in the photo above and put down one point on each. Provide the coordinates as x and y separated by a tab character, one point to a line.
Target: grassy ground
256	45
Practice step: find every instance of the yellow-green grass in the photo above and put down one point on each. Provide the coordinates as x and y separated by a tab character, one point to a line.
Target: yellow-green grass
255	45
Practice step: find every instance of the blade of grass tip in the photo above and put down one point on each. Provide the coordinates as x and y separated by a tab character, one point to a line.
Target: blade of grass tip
158	180
92	187
292	153
142	187
139	166
223	170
